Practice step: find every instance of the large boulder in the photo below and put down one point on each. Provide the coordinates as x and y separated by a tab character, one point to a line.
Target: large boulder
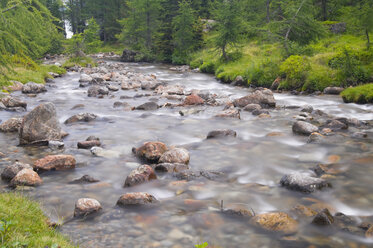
11	125
151	152
143	173
12	170
333	90
137	198
264	98
33	88
40	125
86	206
13	102
277	221
55	162
303	182
304	128
26	177
176	155
83	117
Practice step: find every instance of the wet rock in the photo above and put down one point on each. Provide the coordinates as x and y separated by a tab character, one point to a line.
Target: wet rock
315	138
78	106
98	151
86	206
130	86
33	88
85	180
95	91
302	210
173	89
252	107
151	152
175	155
359	135
55	162
307	109
26	177
150	85
221	133
123	105
193	175
264	98
237	212
88	144
277	221
84	78
112	87
11	125
83	117
137	198
324	218
304	128
239	81
40	125
369	232
15	86
336	125
192	111
333	90
260	112
13	102
142	174
229	113
12	170
53	144
303	182
343	221
170	167
193	100
149	106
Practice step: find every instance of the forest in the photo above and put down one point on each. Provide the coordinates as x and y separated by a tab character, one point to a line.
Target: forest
309	44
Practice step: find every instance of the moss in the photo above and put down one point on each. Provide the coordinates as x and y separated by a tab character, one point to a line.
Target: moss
360	94
26	224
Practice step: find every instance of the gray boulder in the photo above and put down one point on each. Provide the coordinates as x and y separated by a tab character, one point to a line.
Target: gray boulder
303	182
11	125
33	88
148	106
304	128
333	90
12	170
83	117
221	133
264	98
96	90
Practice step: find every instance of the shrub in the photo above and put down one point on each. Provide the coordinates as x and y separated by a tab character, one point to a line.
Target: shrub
208	67
361	94
318	79
262	75
294	69
196	63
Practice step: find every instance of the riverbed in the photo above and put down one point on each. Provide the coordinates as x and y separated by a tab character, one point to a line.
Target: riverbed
188	213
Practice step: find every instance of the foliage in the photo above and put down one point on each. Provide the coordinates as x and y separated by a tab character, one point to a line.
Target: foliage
360	94
79	61
263	74
319	78
203	245
294	69
23	224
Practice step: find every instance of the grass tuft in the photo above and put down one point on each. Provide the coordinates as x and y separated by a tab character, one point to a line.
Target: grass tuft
360	94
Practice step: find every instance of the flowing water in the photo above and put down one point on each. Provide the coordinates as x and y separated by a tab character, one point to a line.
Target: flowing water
188	213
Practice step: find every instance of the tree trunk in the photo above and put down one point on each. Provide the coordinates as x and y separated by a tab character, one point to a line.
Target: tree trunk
225	56
291	26
324	10
368	39
268	11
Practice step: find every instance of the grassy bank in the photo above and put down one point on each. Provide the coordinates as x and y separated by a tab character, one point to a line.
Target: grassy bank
361	94
23	224
338	60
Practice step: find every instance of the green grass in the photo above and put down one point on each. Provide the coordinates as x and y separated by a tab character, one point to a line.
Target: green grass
23	224
360	94
111	47
79	61
36	73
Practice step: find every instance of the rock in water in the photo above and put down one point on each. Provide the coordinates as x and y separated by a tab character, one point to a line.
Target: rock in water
138	198
324	218
85	180
143	173
170	167
176	155
333	90
33	88
12	125
303	182
278	221
83	117
264	98
151	152
86	206
55	162
26	177
88	144
148	106
304	128
193	100
12	170
96	90
221	133
40	125
12	102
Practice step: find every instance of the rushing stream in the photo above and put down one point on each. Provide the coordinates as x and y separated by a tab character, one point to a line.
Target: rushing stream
188	211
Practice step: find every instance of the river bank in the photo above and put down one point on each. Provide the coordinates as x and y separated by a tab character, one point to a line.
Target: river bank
249	168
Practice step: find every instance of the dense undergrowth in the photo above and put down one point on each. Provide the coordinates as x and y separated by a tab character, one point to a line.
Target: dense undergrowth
23	224
360	94
339	60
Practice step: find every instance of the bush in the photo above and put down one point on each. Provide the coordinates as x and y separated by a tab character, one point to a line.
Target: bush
295	70
208	67
318	79
79	61
361	94
262	75
196	63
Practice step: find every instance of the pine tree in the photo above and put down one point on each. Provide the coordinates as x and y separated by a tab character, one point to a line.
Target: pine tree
229	25
92	36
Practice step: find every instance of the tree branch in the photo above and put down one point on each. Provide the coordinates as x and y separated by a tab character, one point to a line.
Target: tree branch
291	25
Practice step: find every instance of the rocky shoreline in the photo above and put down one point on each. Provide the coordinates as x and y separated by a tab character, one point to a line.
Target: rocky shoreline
40	127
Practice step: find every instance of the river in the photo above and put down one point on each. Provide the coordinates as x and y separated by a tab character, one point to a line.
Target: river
188	211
